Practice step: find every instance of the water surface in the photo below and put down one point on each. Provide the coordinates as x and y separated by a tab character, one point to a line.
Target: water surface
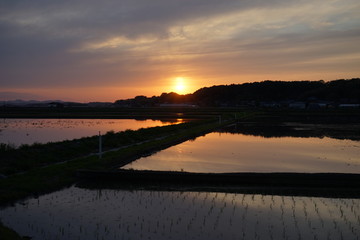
29	131
224	152
76	213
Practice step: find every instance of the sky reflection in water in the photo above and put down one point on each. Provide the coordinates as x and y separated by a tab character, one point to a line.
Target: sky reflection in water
224	152
76	213
29	131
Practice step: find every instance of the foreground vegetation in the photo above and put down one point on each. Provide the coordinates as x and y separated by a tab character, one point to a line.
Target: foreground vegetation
8	234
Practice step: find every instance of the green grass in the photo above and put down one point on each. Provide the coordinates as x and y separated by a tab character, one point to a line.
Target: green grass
8	234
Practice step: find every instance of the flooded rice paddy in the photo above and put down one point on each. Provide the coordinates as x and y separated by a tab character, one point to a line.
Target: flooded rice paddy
83	213
227	152
77	213
29	131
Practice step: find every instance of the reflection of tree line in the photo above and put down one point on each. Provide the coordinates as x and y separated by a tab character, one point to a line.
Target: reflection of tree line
162	120
303	131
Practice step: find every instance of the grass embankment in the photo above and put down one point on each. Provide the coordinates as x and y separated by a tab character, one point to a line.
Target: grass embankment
333	185
8	234
43	179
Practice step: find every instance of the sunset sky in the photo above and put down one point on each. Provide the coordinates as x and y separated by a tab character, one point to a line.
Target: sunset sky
91	50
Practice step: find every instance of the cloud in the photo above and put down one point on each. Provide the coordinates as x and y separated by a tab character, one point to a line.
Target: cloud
139	42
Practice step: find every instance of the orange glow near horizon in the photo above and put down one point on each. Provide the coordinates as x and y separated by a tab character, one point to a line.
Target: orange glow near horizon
180	86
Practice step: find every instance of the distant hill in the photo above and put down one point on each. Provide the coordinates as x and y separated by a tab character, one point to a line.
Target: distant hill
52	104
22	103
275	92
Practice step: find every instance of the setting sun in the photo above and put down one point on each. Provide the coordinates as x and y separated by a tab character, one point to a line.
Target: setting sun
180	85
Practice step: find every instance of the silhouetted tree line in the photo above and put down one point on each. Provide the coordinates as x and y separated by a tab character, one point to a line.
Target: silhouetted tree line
337	91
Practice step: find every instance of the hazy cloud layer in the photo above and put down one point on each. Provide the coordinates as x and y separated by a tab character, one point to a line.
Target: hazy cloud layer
141	44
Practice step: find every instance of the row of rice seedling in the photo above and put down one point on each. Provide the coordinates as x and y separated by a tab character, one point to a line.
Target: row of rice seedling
118	214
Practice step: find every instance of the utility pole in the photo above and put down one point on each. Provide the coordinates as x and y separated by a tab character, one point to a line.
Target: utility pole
100	145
